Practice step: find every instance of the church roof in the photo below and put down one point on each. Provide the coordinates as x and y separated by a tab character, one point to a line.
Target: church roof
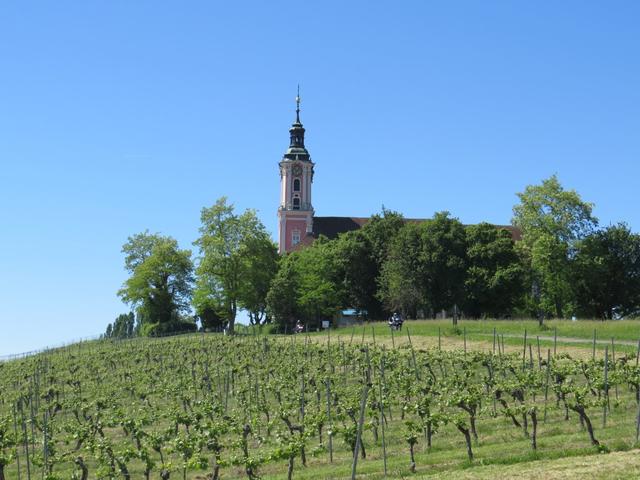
331	227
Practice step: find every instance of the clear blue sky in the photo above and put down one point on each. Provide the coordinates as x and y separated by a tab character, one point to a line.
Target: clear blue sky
120	116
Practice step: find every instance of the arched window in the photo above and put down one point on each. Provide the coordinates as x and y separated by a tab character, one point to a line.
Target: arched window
296	203
296	185
295	237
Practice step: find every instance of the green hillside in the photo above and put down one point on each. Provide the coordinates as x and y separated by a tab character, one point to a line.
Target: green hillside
257	406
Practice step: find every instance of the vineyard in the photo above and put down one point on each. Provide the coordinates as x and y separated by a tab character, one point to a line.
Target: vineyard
215	407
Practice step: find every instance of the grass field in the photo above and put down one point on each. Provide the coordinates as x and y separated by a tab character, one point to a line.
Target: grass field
147	380
572	337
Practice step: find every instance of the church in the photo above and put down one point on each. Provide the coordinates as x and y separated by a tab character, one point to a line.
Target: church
297	224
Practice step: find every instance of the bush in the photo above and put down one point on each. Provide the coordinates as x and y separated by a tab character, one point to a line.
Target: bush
210	320
169	328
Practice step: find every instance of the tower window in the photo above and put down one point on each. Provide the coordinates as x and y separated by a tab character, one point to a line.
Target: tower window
296	203
296	185
295	237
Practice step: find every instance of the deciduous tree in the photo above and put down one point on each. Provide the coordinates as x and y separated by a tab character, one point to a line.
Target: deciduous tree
607	273
307	287
426	266
401	283
282	302
443	261
261	260
161	277
495	277
358	271
234	250
380	230
122	327
552	220
361	254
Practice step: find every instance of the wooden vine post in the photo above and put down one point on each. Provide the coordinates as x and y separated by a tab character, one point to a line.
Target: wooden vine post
638	424
613	359
464	336
363	404
381	405
494	340
524	350
546	385
606	386
328	383
638	396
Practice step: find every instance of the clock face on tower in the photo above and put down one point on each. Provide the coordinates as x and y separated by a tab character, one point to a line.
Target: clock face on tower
297	170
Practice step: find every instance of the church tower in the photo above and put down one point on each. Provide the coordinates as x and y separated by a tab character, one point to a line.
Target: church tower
295	214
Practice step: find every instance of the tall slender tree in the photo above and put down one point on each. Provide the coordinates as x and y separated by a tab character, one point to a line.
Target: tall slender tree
552	221
236	262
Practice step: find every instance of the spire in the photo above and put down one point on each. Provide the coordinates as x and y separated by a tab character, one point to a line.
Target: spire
298	105
297	150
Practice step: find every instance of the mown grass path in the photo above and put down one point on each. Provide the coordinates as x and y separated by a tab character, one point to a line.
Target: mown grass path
614	466
572	337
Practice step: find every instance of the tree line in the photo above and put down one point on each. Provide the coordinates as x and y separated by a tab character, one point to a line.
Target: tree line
564	265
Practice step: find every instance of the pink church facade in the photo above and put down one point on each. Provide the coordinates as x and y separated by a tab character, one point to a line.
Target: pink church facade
295	213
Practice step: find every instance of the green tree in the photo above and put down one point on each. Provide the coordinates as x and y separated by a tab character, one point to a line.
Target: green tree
208	303
208	316
425	267
161	277
495	276
282	302
552	221
443	260
320	293
236	262
122	327
401	283
261	265
607	273
307	287
361	254
380	231
358	271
